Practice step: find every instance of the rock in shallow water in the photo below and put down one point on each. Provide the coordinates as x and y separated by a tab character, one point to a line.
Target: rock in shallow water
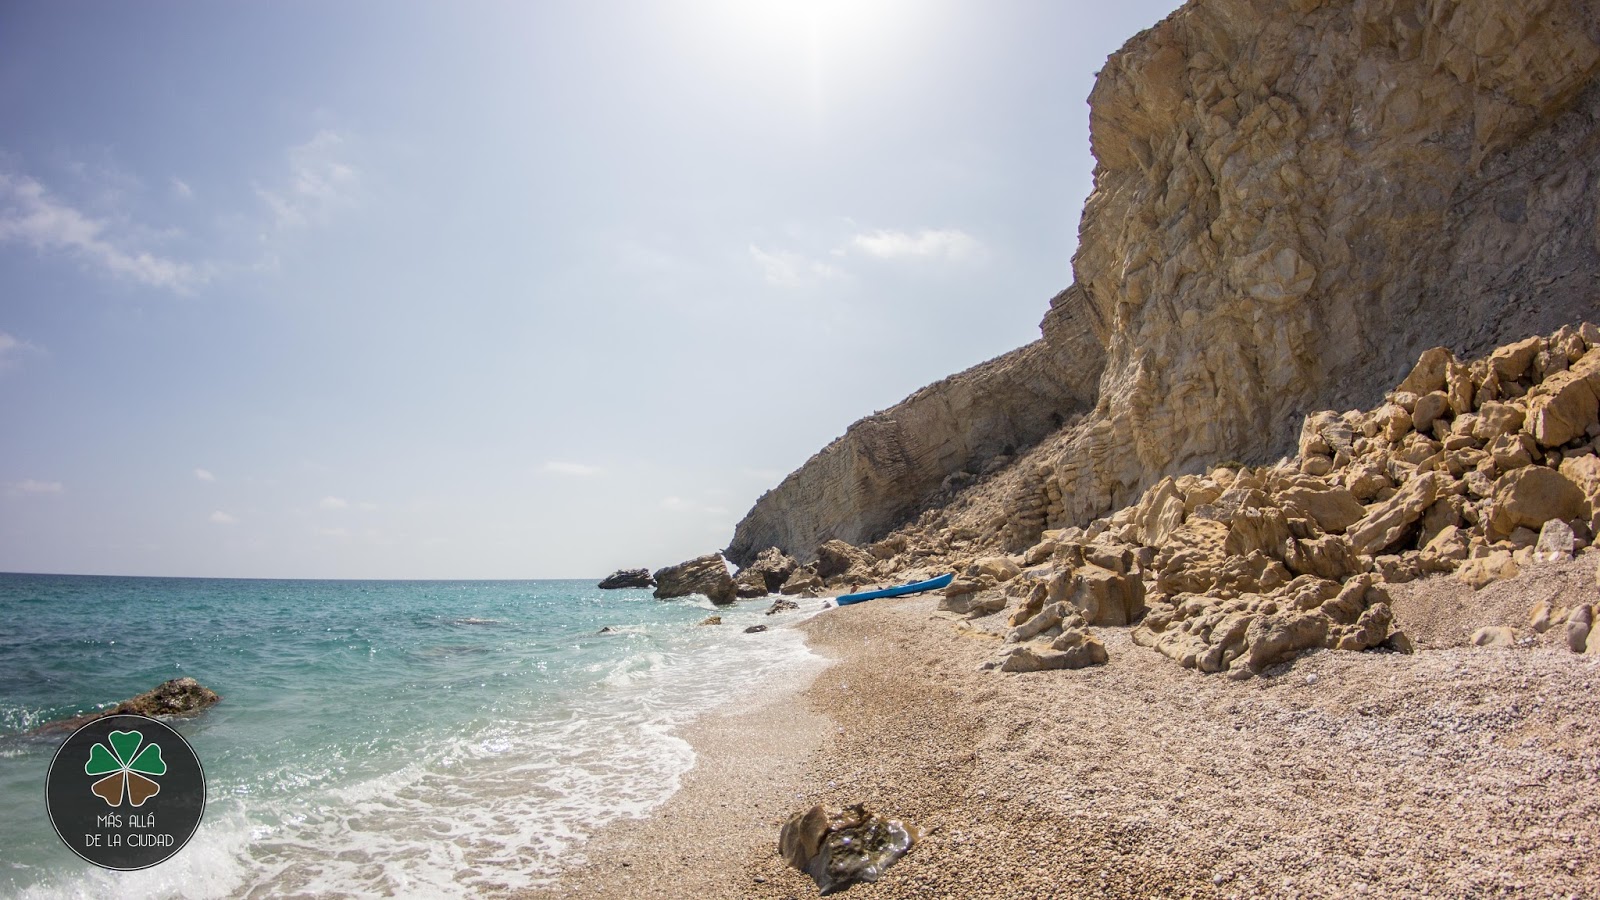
178	697
628	578
839	847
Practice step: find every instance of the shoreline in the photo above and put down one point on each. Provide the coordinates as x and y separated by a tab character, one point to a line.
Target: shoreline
706	833
1455	771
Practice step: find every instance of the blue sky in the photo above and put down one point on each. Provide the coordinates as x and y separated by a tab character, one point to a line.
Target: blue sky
485	290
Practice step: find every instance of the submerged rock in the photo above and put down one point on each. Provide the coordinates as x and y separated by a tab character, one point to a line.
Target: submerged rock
178	697
628	578
710	620
839	847
755	629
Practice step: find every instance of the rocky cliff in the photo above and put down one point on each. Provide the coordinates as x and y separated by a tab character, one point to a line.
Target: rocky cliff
892	463
1292	198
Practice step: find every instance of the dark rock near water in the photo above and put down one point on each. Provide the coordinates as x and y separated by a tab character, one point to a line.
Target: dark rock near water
706	575
178	697
772	567
755	629
628	578
781	605
839	847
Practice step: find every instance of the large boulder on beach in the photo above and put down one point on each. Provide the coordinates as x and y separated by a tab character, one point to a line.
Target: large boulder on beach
839	847
838	559
628	578
707	575
178	697
766	575
803	581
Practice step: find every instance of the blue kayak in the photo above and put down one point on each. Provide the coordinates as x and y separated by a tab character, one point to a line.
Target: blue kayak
915	587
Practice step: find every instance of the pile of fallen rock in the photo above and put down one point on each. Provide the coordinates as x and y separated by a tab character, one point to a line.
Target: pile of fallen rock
1474	468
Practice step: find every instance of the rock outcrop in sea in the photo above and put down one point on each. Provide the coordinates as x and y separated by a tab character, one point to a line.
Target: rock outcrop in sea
707	575
1293	199
627	578
177	697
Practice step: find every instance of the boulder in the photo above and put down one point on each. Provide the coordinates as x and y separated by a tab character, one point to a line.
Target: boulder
1430	408
781	605
750	585
1430	372
706	575
1561	409
1494	566
973	605
710	620
1556	542
803	580
1494	636
1334	509
628	578
1495	419
177	697
1387	522
1532	496
1511	362
1580	622
755	629
772	567
836	558
1100	595
1000	568
839	847
1073	649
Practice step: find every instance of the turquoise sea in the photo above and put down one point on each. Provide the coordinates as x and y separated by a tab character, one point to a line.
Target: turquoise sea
375	737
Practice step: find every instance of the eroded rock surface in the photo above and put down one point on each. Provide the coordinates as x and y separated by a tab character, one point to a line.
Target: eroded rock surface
707	575
177	697
1293	199
628	578
839	847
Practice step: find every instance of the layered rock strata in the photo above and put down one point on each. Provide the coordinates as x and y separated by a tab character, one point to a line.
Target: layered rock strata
627	578
707	575
1292	199
892	463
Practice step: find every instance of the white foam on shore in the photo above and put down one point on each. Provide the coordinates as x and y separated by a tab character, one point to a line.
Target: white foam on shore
509	806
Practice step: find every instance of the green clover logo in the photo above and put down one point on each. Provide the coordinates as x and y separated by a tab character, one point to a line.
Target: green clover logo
125	770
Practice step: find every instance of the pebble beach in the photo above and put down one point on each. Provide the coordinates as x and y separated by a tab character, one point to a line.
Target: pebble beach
1456	771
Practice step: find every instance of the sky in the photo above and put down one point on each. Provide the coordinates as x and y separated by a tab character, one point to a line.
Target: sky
501	290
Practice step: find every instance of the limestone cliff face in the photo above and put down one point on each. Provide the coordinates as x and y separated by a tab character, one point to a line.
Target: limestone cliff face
1292	199
886	466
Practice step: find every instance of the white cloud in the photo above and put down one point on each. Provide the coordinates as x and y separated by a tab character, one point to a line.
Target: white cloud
12	349
181	188
31	215
319	184
678	504
34	486
222	518
334	503
570	468
786	269
204	475
944	243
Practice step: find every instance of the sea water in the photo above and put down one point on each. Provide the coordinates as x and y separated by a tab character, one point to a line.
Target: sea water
375	737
